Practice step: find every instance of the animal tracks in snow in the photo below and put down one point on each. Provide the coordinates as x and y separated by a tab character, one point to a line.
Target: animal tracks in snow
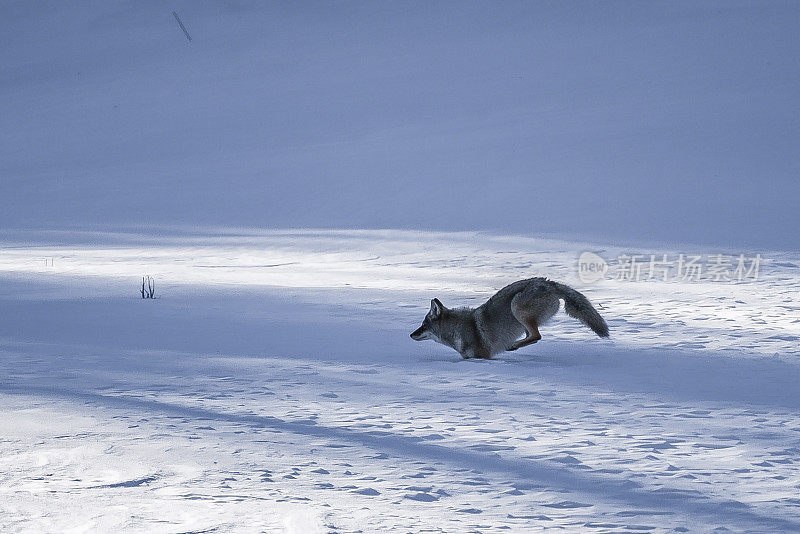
284	401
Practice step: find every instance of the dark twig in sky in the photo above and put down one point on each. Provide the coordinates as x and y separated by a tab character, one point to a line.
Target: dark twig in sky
181	25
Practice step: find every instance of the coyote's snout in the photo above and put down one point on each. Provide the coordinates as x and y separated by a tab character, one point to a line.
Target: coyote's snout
509	320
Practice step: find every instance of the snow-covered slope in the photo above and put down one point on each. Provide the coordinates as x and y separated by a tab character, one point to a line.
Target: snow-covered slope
273	387
646	120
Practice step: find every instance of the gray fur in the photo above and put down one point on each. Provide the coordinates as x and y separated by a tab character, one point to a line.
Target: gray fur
515	311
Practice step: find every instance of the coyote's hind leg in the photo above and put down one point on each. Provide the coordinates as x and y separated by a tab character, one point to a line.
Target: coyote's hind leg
530	323
531	337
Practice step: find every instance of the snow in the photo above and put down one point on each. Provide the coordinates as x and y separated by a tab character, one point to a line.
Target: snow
273	386
637	122
301	179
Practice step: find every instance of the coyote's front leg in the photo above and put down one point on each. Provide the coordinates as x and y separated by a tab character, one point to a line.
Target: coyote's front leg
481	353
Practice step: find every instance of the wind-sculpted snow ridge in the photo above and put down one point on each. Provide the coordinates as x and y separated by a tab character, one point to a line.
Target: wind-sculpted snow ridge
273	388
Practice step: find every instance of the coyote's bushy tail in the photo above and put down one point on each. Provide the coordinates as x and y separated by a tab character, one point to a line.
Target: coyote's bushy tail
578	306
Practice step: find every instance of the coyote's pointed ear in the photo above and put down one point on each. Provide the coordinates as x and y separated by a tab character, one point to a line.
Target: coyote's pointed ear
436	308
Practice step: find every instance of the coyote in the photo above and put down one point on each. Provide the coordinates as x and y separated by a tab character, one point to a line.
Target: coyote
497	325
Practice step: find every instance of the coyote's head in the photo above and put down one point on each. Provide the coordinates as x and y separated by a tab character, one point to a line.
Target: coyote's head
432	324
